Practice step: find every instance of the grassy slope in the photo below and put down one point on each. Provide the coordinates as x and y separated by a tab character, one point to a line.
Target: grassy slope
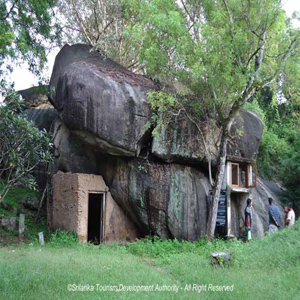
266	269
13	197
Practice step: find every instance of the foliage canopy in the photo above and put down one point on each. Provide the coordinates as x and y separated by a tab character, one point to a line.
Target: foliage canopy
25	28
22	146
224	51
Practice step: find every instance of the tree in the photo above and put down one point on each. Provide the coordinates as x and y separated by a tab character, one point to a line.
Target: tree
101	24
26	30
22	146
224	51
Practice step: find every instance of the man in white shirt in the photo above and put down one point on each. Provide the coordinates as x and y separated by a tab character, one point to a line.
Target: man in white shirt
290	220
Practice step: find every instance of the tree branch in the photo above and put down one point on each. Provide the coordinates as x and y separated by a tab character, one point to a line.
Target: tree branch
11	9
231	32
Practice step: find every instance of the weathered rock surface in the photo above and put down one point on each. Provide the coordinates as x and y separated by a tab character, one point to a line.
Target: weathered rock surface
170	200
43	116
100	101
246	132
261	207
71	154
260	215
181	140
35	96
38	109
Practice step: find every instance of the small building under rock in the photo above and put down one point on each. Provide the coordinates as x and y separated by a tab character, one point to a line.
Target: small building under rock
83	203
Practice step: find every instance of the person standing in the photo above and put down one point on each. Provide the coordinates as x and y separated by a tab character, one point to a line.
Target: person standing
274	217
290	219
286	211
248	220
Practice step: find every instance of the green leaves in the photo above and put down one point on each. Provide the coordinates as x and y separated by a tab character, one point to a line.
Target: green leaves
22	145
25	27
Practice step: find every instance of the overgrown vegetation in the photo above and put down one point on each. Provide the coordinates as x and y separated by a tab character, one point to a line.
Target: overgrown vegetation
13	207
26	30
279	154
14	196
224	52
22	146
264	269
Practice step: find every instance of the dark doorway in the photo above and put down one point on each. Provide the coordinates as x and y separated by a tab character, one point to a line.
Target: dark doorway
95	218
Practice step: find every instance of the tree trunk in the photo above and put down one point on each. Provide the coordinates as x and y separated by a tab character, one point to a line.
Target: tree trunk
213	209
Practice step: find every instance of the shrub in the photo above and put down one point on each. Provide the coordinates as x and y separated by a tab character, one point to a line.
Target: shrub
62	238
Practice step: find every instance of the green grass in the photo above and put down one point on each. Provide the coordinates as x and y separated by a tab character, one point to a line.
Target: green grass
12	198
263	269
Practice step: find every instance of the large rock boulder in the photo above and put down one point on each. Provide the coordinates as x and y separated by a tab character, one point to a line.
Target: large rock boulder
42	116
181	140
102	102
101	129
70	153
35	95
169	200
246	132
38	109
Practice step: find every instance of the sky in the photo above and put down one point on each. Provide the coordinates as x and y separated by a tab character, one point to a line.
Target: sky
23	79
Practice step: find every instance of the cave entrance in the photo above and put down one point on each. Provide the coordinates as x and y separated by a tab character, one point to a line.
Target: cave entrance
95	218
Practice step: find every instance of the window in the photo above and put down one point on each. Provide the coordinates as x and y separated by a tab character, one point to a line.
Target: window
243	175
235	174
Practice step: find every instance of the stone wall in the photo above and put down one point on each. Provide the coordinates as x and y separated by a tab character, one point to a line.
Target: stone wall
69	210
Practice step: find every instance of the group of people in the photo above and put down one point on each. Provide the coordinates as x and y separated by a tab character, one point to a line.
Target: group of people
274	217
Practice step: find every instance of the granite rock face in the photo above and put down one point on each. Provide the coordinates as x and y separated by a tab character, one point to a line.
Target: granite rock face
35	96
260	210
246	132
181	141
166	199
43	116
102	102
169	200
38	109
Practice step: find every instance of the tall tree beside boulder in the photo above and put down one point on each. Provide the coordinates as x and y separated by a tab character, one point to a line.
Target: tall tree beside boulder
223	51
26	29
22	146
